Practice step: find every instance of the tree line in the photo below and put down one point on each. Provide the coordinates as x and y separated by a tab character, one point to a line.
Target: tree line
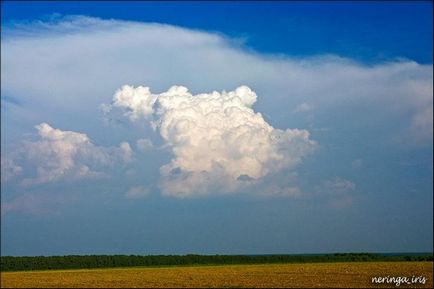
9	263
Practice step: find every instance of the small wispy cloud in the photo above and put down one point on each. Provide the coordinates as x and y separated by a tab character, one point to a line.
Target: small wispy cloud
35	204
303	107
336	192
138	192
357	163
144	144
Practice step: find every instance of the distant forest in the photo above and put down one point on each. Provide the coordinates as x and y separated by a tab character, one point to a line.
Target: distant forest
110	261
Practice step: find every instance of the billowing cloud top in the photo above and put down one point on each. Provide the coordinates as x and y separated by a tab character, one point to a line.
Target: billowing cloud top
218	141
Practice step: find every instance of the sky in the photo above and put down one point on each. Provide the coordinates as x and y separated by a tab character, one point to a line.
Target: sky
216	127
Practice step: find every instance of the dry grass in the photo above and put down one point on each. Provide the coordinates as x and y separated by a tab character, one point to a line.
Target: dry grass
267	275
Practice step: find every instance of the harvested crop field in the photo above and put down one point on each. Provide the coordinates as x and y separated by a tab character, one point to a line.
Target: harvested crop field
266	275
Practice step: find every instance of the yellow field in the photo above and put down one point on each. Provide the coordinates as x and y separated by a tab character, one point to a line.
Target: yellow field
267	275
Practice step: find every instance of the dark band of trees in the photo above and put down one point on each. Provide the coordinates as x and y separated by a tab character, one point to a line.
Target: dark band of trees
109	261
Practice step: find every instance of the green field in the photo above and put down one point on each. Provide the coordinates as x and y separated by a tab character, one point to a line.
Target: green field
343	275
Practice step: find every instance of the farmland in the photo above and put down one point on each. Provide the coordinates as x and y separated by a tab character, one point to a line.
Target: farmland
338	274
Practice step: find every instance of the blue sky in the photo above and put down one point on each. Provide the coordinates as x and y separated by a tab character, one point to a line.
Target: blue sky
319	138
374	32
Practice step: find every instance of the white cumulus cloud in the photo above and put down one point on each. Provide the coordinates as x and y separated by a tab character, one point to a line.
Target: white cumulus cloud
68	155
218	141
